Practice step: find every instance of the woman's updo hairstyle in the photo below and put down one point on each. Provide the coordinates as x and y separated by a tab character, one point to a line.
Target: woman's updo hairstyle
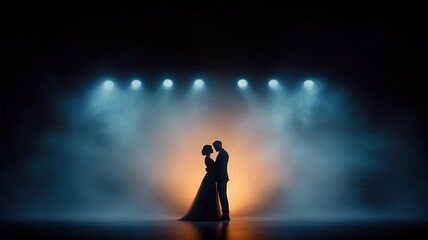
207	149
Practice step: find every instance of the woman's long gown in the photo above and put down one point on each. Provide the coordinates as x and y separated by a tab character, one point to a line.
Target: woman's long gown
205	207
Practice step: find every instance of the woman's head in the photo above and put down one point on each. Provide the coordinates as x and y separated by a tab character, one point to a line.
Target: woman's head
207	149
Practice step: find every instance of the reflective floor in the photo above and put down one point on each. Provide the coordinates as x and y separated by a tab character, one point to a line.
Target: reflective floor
238	229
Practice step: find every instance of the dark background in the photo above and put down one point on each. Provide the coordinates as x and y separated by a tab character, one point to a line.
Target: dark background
376	52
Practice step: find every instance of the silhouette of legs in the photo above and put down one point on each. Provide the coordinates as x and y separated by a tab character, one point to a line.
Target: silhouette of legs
221	187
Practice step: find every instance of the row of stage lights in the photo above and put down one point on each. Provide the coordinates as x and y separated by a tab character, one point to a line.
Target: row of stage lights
199	84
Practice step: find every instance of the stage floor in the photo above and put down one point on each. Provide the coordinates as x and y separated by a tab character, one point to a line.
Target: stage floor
236	229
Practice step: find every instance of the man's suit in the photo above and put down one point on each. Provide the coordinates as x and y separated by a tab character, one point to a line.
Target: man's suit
222	178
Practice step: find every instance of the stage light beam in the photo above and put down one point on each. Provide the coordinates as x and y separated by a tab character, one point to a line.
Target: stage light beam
108	85
308	84
242	83
167	83
199	83
273	84
136	84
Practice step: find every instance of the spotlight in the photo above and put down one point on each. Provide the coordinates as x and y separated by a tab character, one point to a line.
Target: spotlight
198	84
167	83
108	85
242	83
308	84
273	84
135	84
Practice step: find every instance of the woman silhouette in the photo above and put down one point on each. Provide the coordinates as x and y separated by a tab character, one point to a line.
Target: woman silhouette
205	207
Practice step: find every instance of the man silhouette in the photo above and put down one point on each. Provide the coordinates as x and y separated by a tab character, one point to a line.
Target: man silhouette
222	178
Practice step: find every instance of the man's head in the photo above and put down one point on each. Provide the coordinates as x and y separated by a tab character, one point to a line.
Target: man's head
217	145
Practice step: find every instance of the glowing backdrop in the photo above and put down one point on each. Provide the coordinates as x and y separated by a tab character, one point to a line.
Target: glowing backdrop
134	152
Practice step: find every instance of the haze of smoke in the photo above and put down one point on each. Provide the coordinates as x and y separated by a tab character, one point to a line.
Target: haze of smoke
337	161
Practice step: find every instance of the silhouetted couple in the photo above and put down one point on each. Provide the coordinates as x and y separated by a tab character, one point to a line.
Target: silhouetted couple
205	207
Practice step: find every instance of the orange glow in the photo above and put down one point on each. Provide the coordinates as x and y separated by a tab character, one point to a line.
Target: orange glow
179	167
